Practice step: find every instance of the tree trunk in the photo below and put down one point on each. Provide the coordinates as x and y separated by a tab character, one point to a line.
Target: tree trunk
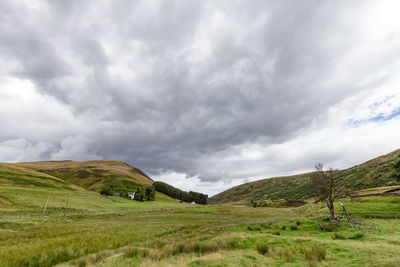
331	207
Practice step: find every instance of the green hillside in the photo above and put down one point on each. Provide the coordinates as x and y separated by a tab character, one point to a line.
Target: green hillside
371	174
14	175
91	175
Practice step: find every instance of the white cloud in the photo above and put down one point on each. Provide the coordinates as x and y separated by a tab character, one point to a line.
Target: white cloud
78	148
203	94
17	150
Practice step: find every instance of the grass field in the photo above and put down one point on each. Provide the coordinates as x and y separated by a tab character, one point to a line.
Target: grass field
108	231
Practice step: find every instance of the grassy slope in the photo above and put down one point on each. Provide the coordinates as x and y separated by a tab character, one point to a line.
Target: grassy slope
374	173
92	175
14	175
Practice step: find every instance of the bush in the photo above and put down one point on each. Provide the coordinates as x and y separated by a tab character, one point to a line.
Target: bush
293	227
262	248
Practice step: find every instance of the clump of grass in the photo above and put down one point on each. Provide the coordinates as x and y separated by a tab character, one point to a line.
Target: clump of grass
277	233
266	225
136	252
331	227
253	228
96	258
338	236
357	236
283	227
262	248
201	247
381	216
286	254
314	252
293	227
298	222
81	263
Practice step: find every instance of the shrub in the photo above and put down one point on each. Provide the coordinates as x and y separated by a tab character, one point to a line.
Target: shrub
262	248
293	227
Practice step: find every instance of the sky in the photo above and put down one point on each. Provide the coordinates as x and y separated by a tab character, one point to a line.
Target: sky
203	95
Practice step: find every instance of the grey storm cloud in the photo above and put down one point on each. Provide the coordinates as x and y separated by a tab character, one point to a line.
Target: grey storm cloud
165	85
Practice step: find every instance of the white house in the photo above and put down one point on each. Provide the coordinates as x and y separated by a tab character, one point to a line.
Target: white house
131	195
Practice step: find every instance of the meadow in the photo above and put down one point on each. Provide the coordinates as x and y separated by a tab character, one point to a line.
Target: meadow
110	231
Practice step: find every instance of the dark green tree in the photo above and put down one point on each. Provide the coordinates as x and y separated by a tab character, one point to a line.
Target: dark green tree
150	193
140	193
107	191
179	194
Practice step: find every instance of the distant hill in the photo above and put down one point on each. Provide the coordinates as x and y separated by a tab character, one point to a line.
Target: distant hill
19	176
371	174
74	175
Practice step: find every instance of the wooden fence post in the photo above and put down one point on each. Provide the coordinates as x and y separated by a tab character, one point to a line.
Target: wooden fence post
45	206
66	204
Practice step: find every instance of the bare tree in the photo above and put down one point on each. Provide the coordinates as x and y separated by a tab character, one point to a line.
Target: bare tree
325	185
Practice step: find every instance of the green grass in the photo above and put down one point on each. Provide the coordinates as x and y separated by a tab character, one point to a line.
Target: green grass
292	189
117	232
15	200
12	175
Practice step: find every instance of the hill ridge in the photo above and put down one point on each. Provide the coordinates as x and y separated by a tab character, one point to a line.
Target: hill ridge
92	175
372	173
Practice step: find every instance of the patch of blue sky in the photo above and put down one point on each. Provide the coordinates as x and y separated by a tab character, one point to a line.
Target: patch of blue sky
381	117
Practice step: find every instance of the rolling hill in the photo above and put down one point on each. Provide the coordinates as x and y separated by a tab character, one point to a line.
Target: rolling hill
374	173
24	187
19	176
91	175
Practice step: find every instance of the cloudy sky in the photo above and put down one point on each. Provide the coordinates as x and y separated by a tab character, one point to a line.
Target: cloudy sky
201	94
